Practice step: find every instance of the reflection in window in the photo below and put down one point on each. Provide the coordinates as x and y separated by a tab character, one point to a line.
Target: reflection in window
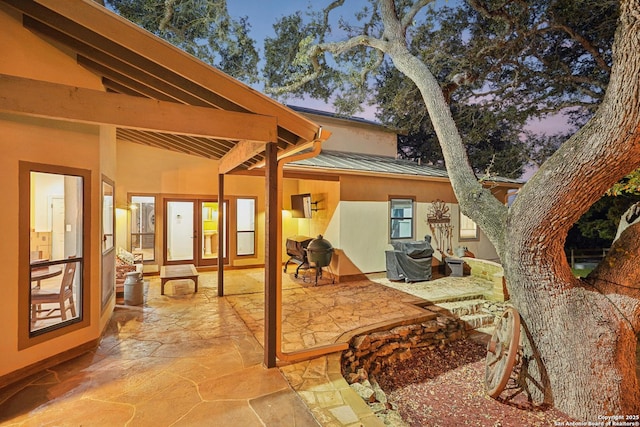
209	230
468	228
107	217
56	242
143	226
401	215
245	219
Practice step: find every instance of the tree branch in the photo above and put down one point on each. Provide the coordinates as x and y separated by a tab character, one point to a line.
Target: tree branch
407	20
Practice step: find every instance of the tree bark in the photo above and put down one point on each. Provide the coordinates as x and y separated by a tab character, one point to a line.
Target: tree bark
582	333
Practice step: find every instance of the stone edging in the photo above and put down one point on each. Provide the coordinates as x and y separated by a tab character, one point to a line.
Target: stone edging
369	353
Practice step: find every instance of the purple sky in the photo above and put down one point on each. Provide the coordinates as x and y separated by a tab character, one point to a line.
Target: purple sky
263	14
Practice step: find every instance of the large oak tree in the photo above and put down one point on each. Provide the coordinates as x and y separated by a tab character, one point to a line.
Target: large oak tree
582	332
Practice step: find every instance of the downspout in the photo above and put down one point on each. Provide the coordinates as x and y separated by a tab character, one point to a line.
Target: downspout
296	356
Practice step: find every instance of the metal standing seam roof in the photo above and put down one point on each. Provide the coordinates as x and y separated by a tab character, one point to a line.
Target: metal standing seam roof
356	162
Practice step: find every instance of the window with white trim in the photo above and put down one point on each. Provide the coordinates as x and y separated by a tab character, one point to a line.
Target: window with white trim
468	228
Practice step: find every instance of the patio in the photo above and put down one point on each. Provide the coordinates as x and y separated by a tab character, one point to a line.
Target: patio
189	358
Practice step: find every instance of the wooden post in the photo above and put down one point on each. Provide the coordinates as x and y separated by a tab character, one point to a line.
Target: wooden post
221	242
272	269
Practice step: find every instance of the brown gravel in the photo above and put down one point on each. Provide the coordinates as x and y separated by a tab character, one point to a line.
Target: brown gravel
445	387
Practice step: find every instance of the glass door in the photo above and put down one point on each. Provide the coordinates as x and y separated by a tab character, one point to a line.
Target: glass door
180	236
209	249
191	235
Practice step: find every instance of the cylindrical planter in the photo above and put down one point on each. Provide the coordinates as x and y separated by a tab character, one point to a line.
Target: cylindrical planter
133	290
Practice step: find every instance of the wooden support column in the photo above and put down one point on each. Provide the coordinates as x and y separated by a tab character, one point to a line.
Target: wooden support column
221	221
272	269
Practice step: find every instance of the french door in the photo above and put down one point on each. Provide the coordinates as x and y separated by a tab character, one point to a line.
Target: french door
191	232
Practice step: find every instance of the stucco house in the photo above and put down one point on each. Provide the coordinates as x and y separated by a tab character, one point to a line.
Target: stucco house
360	186
114	139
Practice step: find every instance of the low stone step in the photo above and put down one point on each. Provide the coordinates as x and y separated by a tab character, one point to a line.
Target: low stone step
479	320
457	298
464	307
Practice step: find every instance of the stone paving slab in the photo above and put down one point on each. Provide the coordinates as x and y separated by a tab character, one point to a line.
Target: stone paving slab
181	359
196	359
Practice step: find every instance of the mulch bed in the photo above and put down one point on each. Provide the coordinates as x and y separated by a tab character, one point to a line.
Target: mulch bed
445	387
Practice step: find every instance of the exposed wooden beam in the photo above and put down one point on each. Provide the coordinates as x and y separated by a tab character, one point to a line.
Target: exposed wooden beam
62	102
272	261
75	16
243	151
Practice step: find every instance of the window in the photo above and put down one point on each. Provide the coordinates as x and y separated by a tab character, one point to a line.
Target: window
468	228
108	241
54	214
401	216
143	226
107	216
246	226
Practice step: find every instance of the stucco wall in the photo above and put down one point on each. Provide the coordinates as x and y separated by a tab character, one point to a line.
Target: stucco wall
151	171
357	137
49	142
357	225
54	143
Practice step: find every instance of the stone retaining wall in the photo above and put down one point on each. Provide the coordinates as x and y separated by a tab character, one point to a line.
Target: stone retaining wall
491	271
369	353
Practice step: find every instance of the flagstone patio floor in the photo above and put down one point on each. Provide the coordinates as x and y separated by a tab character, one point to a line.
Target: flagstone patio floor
192	359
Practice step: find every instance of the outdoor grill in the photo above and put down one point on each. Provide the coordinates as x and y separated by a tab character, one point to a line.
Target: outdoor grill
297	250
410	261
319	253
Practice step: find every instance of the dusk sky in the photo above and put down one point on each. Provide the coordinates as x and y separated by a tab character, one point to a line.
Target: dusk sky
263	14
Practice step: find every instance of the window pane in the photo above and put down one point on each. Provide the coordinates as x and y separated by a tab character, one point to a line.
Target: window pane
107	216
401	208
468	228
245	223
143	225
246	214
56	224
401	218
246	243
400	228
209	229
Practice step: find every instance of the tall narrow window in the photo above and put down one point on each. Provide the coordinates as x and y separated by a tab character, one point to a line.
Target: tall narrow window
57	207
143	226
246	226
108	242
468	228
401	218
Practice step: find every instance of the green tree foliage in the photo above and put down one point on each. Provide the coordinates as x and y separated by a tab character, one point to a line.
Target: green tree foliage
500	63
597	227
202	28
506	53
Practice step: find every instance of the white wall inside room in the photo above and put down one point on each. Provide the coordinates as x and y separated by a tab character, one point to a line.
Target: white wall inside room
45	187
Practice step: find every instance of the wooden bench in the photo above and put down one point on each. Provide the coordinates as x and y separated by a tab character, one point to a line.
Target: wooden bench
176	272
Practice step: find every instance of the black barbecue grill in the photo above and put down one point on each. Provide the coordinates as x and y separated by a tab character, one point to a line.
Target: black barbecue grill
297	250
319	254
309	254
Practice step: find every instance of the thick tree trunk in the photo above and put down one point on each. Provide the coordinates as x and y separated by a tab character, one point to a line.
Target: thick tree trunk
582	347
582	334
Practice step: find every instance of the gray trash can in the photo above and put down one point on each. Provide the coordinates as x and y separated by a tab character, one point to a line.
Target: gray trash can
133	290
455	264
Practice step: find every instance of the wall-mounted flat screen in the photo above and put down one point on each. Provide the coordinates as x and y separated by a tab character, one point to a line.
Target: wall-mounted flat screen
301	205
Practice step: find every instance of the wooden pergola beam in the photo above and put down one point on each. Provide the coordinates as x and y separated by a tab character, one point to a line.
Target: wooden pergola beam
239	154
56	101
